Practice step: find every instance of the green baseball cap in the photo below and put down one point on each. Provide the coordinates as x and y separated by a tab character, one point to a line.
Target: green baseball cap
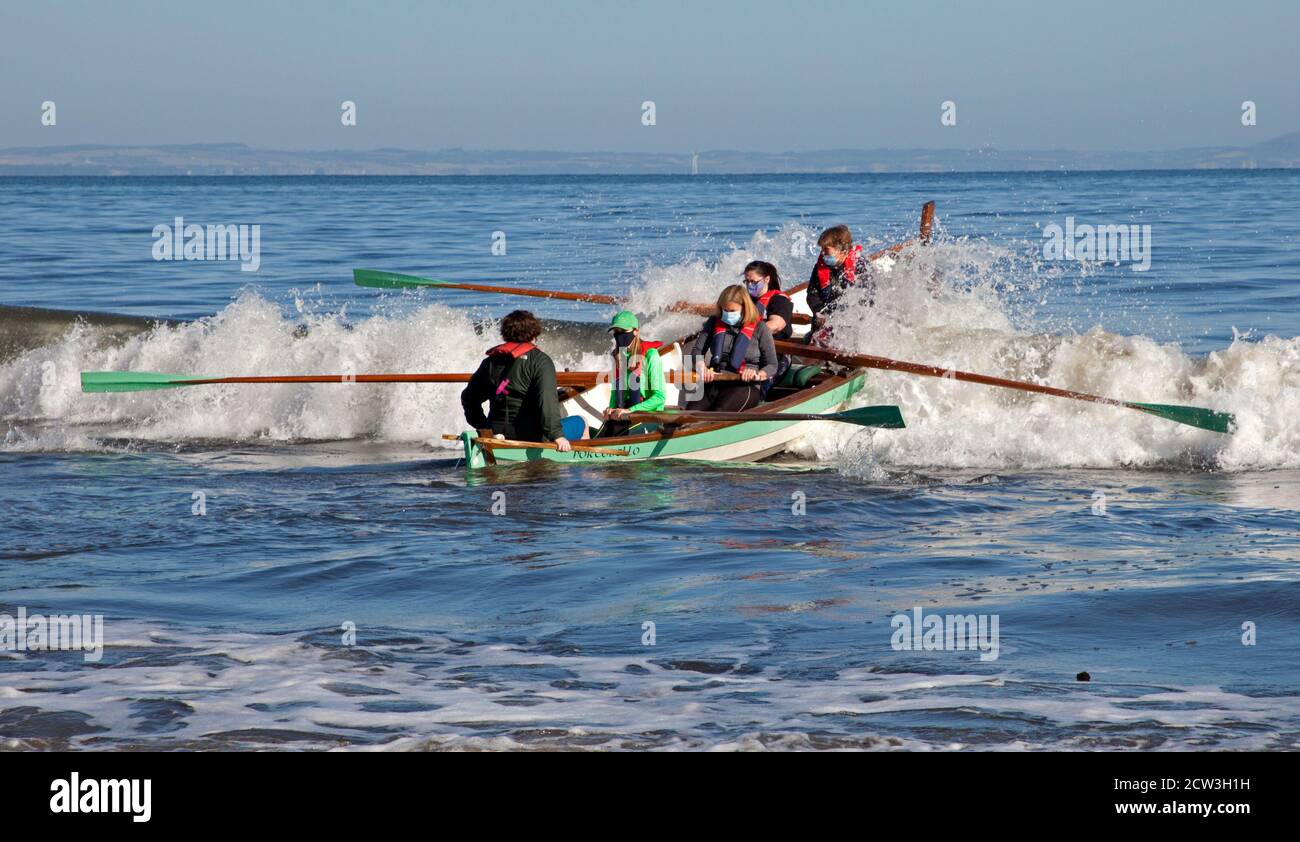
625	320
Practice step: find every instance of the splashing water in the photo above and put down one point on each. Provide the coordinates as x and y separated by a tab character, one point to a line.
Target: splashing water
961	304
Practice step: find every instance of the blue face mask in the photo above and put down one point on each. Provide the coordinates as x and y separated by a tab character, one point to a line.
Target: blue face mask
828	260
731	317
755	288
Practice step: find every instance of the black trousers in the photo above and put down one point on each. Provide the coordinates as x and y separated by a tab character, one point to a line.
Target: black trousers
614	428
728	396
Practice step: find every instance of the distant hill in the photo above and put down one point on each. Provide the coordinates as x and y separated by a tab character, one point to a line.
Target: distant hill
238	159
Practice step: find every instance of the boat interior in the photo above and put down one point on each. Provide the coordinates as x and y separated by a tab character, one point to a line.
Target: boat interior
790	389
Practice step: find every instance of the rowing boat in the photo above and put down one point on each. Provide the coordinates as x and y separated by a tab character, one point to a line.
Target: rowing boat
733	441
737	441
727	441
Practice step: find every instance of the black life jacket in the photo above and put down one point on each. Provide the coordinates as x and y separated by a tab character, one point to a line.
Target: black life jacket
503	407
782	360
739	346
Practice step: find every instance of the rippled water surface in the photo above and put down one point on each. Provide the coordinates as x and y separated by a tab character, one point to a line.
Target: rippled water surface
234	537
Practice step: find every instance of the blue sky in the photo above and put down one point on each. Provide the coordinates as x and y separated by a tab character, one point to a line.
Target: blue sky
761	75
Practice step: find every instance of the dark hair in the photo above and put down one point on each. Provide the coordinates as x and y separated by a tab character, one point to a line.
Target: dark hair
520	326
767	270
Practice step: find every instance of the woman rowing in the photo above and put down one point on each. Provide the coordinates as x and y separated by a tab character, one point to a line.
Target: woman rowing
735	339
638	380
518	379
764	286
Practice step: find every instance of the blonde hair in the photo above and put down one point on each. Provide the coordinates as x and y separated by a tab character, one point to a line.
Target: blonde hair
737	294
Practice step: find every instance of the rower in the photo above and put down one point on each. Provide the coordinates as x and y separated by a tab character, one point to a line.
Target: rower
638	380
764	286
734	339
518	380
840	265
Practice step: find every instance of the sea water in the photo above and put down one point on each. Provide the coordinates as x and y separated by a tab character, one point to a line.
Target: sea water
312	566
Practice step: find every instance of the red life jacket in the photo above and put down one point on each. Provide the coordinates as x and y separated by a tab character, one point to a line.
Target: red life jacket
514	349
738	347
763	300
849	267
640	358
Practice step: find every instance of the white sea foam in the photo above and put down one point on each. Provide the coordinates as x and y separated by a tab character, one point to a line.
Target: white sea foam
451	695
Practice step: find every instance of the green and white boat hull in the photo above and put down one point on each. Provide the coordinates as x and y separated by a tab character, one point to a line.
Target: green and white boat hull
743	441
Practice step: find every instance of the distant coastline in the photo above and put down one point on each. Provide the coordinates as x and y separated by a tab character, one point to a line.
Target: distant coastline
235	159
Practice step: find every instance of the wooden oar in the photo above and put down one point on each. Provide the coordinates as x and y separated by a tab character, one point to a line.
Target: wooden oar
1193	416
544	445
867	416
140	381
395	280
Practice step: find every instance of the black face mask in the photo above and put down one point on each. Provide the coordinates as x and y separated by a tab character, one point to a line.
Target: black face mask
623	339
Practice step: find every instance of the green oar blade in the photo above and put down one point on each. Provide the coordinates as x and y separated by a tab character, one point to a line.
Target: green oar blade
390	280
888	417
1193	416
131	381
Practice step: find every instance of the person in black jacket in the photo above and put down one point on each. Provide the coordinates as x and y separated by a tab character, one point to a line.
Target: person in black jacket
764	285
518	380
840	265
776	308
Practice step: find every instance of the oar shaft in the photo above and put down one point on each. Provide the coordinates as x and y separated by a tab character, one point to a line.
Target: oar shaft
1192	416
371	277
886	364
888	417
564	378
589	297
688	417
544	445
126	381
333	378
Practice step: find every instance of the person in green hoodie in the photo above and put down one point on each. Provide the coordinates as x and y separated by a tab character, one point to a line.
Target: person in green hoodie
518	380
638	381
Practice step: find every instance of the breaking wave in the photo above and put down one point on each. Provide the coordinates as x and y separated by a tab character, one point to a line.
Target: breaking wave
961	304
